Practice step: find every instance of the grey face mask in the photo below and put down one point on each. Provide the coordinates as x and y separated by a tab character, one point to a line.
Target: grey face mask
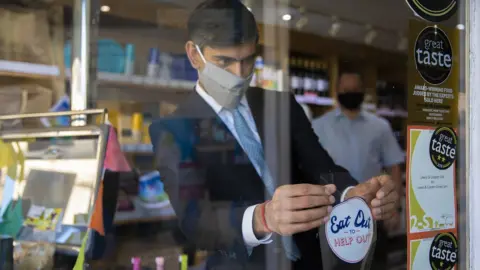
226	88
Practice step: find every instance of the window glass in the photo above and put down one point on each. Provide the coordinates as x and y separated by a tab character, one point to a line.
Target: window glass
255	134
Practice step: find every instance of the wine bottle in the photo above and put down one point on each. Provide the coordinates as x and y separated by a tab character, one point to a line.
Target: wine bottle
307	78
322	80
314	75
301	75
293	75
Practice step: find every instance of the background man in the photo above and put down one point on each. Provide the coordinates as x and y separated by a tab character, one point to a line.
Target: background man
235	220
363	143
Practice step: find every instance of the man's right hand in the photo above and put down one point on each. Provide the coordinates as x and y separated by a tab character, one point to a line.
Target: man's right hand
295	208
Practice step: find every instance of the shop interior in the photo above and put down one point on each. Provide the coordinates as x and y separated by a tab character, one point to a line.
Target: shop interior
324	38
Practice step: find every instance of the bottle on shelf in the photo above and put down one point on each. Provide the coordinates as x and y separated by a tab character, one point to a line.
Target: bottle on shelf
153	62
257	80
160	263
136	263
129	59
294	79
322	84
300	73
183	262
308	78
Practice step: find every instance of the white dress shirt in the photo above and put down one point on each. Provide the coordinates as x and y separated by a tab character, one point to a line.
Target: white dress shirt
247	222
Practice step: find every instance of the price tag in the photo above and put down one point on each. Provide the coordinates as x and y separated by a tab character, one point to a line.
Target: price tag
349	230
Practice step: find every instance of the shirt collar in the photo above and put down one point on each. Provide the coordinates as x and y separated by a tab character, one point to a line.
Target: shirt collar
217	108
339	114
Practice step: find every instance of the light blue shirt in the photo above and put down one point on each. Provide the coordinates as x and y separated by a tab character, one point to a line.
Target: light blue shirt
364	145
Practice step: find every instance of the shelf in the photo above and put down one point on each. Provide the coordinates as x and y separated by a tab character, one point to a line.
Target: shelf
142	214
315	100
392	113
141	148
29	70
135	81
369	106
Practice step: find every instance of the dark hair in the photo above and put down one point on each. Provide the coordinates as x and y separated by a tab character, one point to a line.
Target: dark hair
350	71
222	23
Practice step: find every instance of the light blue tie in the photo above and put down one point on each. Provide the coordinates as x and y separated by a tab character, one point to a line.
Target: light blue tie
254	150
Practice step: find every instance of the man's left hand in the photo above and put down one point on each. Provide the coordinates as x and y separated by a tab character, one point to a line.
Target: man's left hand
380	193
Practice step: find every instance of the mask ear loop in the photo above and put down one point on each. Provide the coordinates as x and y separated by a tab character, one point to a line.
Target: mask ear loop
201	54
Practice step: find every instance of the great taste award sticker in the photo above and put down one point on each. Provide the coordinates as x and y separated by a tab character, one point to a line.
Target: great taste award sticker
433	55
444	251
349	230
443	148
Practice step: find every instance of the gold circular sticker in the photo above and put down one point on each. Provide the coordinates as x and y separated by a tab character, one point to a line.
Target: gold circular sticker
434	10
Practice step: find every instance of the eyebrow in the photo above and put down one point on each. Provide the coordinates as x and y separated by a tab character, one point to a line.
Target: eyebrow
228	58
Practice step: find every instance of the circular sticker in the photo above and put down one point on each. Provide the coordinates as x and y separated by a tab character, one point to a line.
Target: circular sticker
349	230
433	55
433	10
443	148
444	251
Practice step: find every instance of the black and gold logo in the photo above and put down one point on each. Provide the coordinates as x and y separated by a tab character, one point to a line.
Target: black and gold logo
434	10
443	147
433	55
444	251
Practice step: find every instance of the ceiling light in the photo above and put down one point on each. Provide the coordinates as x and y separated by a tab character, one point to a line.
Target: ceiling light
460	27
301	22
104	8
286	17
334	29
371	34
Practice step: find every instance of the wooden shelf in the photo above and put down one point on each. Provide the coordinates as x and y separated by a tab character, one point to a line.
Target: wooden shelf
27	70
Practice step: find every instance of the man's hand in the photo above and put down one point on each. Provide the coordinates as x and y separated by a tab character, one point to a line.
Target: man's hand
295	208
381	193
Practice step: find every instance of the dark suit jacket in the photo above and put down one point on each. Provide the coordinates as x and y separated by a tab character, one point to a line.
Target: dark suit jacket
214	222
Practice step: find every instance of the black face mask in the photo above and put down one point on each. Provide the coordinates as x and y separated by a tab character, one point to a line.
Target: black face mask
351	100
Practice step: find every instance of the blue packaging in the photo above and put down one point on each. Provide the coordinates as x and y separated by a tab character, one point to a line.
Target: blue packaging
110	56
178	67
62	105
129	59
151	188
153	62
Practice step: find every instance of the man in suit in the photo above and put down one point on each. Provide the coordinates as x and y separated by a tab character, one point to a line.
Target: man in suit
234	220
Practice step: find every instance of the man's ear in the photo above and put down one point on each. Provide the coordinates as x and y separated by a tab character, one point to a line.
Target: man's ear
193	55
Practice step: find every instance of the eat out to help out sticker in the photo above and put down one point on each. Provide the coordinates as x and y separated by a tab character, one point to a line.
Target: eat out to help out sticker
349	230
